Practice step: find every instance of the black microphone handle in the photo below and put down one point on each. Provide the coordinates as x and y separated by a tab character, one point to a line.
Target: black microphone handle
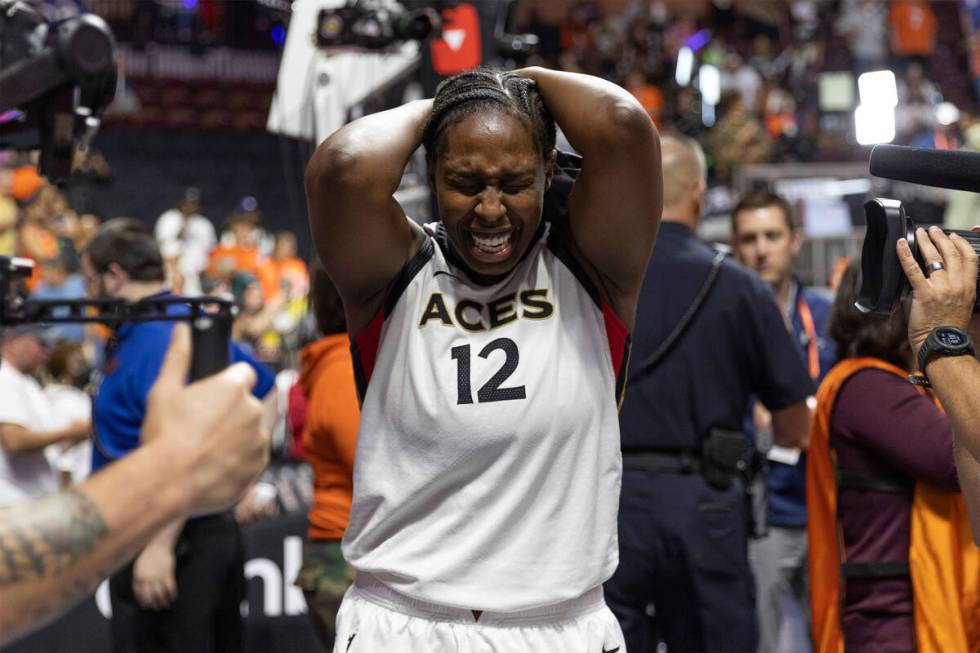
956	170
210	339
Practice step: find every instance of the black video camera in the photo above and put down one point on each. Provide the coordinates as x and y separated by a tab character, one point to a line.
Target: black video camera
210	318
883	283
357	25
55	82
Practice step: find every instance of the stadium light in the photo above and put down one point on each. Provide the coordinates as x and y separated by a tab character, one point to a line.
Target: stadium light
685	66
874	124
874	117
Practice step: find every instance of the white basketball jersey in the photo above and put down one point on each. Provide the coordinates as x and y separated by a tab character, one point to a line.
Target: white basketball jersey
488	457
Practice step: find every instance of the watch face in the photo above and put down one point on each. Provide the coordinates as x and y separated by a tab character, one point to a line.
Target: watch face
950	338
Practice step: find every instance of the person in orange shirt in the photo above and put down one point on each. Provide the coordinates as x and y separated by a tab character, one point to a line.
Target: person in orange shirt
646	93
284	272
913	30
329	442
242	256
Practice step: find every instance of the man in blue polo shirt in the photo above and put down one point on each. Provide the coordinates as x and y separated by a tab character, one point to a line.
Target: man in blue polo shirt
182	592
766	237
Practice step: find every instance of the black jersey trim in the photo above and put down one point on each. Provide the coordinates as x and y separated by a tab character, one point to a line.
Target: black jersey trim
556	244
409	272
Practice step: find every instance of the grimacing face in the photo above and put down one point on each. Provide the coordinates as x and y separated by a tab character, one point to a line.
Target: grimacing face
490	181
764	242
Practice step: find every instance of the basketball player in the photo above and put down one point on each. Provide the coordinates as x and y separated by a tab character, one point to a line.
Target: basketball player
488	349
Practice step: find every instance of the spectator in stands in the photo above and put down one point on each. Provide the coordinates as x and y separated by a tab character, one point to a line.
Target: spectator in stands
914	81
255	325
284	272
35	237
329	442
183	229
913	31
766	61
737	138
241	254
892	563
738	76
69	375
57	283
648	95
863	24
686	118
915	118
28	422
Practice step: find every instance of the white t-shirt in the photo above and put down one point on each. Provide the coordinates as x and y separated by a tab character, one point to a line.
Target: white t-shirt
71	404
488	465
194	242
26	475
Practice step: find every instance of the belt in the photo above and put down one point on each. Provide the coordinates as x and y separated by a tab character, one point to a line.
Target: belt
671	462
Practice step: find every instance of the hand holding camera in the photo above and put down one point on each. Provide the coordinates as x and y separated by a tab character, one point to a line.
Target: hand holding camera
944	292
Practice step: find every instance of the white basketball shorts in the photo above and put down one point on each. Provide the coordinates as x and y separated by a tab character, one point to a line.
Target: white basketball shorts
374	619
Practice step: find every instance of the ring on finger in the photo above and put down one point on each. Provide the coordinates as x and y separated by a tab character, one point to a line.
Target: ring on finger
935	266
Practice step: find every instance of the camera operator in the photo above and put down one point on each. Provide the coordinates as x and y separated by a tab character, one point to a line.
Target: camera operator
942	305
55	550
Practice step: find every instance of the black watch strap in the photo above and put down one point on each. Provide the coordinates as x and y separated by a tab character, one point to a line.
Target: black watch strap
943	341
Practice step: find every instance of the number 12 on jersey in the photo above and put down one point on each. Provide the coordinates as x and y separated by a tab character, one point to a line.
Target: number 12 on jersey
491	390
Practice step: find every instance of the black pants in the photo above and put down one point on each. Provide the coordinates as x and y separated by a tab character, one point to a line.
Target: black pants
683	551
210	588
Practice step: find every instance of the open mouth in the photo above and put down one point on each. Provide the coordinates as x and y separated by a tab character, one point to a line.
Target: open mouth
491	247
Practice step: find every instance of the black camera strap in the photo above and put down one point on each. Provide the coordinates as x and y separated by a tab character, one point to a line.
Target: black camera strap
657	357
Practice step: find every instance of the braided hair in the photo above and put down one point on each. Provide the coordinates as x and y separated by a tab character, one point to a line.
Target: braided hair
488	89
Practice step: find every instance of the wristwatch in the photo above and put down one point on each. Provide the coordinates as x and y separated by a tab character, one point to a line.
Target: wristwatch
944	341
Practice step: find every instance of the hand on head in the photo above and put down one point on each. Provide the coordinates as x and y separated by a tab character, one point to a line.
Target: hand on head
210	431
945	297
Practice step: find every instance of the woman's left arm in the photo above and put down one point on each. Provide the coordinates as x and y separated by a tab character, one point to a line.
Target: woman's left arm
616	202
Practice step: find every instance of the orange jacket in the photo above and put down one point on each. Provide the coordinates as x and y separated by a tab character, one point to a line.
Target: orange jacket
944	563
330	433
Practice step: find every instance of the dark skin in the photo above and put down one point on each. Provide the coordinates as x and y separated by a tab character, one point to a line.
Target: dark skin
490	182
482	178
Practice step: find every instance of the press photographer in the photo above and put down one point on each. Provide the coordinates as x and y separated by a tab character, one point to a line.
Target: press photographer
942	329
940	270
54	550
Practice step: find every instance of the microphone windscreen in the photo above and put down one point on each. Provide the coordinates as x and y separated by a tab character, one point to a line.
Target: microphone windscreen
940	168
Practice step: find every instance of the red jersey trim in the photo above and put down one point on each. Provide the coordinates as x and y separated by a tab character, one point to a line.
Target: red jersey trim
364	350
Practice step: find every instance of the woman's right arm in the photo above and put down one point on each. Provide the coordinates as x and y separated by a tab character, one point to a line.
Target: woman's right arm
360	231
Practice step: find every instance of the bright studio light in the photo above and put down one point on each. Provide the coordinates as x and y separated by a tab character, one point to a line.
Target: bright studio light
685	66
874	118
878	88
709	83
947	113
874	124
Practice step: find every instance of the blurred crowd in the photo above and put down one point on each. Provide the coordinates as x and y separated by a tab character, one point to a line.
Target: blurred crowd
766	81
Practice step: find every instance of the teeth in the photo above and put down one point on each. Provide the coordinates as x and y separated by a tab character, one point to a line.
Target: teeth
491	244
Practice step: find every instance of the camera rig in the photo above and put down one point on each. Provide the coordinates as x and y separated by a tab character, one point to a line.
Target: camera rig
210	318
883	283
55	82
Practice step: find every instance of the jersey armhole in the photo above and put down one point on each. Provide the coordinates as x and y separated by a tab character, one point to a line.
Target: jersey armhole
617	334
364	346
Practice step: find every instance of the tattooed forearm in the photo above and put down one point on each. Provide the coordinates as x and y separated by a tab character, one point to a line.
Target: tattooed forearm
46	536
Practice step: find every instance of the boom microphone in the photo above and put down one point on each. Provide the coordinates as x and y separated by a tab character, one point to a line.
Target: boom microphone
939	168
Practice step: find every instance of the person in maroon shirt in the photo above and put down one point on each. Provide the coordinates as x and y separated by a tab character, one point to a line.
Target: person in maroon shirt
881	427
